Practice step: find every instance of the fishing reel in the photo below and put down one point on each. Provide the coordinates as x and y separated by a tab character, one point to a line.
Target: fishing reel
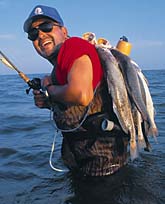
35	84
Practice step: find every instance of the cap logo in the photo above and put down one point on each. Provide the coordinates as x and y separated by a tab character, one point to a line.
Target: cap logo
38	11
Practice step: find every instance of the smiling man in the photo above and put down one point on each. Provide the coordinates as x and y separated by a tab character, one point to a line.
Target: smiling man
78	96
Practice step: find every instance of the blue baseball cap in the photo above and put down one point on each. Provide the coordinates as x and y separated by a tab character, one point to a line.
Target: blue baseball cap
42	11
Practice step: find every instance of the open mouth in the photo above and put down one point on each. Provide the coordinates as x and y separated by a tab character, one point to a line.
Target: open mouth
46	43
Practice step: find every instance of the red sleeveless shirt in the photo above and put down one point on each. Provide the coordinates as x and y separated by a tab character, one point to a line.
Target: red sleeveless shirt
72	49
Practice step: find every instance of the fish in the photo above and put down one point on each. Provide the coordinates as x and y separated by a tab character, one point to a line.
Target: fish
144	85
117	90
149	105
131	77
138	126
141	128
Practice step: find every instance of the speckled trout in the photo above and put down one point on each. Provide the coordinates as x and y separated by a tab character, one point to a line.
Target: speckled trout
149	105
117	90
133	86
140	125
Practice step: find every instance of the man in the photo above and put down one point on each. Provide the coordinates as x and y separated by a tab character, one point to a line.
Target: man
78	96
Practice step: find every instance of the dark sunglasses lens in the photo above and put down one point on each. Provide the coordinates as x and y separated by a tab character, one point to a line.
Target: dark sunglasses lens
33	34
45	27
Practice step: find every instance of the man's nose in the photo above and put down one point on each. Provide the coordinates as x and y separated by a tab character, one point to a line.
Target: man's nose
41	34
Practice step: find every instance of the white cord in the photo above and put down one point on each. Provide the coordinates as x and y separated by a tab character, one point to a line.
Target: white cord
69	130
51	154
59	131
80	124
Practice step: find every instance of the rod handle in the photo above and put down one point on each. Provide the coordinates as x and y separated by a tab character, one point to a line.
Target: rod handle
24	77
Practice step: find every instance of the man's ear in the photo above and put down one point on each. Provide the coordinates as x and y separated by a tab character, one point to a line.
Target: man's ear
65	31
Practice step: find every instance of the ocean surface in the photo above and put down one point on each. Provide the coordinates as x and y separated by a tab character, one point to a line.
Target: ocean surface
26	136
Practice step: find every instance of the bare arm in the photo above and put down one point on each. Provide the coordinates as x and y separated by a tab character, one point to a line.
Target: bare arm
79	89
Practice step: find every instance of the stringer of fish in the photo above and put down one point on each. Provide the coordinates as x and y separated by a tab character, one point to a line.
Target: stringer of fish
138	91
118	91
149	105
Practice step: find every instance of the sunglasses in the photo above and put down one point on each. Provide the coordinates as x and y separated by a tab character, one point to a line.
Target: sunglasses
44	27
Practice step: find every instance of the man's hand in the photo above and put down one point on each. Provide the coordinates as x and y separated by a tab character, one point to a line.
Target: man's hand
41	100
46	81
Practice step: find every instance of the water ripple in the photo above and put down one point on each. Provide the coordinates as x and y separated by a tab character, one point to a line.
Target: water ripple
26	137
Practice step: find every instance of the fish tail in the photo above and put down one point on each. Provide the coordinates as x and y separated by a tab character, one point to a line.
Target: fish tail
133	150
144	144
154	132
148	147
141	142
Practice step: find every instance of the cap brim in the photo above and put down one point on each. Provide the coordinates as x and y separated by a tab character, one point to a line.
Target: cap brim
29	21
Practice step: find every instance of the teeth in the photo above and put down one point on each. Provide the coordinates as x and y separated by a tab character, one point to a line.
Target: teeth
46	42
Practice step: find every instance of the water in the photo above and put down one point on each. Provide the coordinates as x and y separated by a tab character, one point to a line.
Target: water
26	135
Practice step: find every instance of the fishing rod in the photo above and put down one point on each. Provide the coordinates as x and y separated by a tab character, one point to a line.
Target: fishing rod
35	83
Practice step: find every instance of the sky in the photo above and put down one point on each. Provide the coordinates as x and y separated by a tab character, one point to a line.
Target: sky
141	21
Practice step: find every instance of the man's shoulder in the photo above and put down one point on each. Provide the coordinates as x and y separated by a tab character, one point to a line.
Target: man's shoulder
76	46
77	41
